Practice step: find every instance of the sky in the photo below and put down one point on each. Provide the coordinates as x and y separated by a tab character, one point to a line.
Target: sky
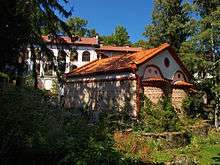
105	15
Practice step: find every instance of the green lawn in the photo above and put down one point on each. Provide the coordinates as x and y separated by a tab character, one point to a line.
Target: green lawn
210	155
202	150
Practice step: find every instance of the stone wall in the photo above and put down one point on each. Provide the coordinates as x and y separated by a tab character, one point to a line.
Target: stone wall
153	93
115	95
178	95
157	90
156	93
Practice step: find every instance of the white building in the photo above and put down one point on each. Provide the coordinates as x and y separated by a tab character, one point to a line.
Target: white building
77	53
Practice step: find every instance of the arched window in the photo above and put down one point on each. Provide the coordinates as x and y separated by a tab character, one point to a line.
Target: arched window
152	71
73	55
86	56
179	76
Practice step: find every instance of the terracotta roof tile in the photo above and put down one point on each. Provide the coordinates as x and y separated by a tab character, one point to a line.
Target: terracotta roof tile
117	63
155	79
81	41
182	83
119	48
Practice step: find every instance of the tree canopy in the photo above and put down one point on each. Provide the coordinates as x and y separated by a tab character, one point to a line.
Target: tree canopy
170	23
119	37
201	51
78	27
22	25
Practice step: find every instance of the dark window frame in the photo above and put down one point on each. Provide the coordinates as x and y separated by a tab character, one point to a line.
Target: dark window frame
86	56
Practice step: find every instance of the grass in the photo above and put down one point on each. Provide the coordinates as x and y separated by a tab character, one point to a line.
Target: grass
210	155
201	150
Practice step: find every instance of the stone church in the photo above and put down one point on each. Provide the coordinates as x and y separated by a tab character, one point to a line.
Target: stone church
117	83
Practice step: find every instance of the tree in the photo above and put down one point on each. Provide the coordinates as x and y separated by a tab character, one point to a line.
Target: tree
78	27
201	51
141	43
170	23
22	23
91	33
118	38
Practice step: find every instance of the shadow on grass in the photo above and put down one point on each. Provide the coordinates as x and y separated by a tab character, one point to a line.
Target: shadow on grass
216	158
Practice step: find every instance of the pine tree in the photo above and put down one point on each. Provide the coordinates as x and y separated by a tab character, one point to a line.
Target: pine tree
201	51
170	23
119	37
78	27
21	26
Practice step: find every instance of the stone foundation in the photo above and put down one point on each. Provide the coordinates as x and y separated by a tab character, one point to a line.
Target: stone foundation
153	93
156	93
178	95
103	95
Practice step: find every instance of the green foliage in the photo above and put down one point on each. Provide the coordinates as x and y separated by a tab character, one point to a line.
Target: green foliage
170	23
193	106
29	81
118	38
33	127
26	119
78	27
141	43
201	52
88	144
3	75
55	87
201	150
23	23
158	118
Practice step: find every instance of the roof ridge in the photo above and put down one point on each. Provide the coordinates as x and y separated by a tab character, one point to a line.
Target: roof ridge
154	51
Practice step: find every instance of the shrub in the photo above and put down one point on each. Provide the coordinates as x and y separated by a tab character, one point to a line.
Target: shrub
158	118
30	124
193	106
91	144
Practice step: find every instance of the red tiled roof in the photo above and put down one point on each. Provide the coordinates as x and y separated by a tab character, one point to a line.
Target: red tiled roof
119	48
118	63
182	83
81	41
155	79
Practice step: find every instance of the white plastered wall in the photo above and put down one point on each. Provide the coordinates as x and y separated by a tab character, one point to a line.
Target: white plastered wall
168	72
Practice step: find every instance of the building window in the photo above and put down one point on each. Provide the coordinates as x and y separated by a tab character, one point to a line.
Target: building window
73	55
166	62
61	56
86	56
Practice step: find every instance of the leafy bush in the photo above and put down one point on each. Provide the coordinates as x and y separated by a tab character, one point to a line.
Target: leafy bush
34	130
3	75
158	118
193	105
28	124
88	144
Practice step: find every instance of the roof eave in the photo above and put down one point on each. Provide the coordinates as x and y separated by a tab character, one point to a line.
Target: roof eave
99	73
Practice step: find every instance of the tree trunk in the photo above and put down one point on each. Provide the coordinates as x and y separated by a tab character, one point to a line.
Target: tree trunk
216	113
33	54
